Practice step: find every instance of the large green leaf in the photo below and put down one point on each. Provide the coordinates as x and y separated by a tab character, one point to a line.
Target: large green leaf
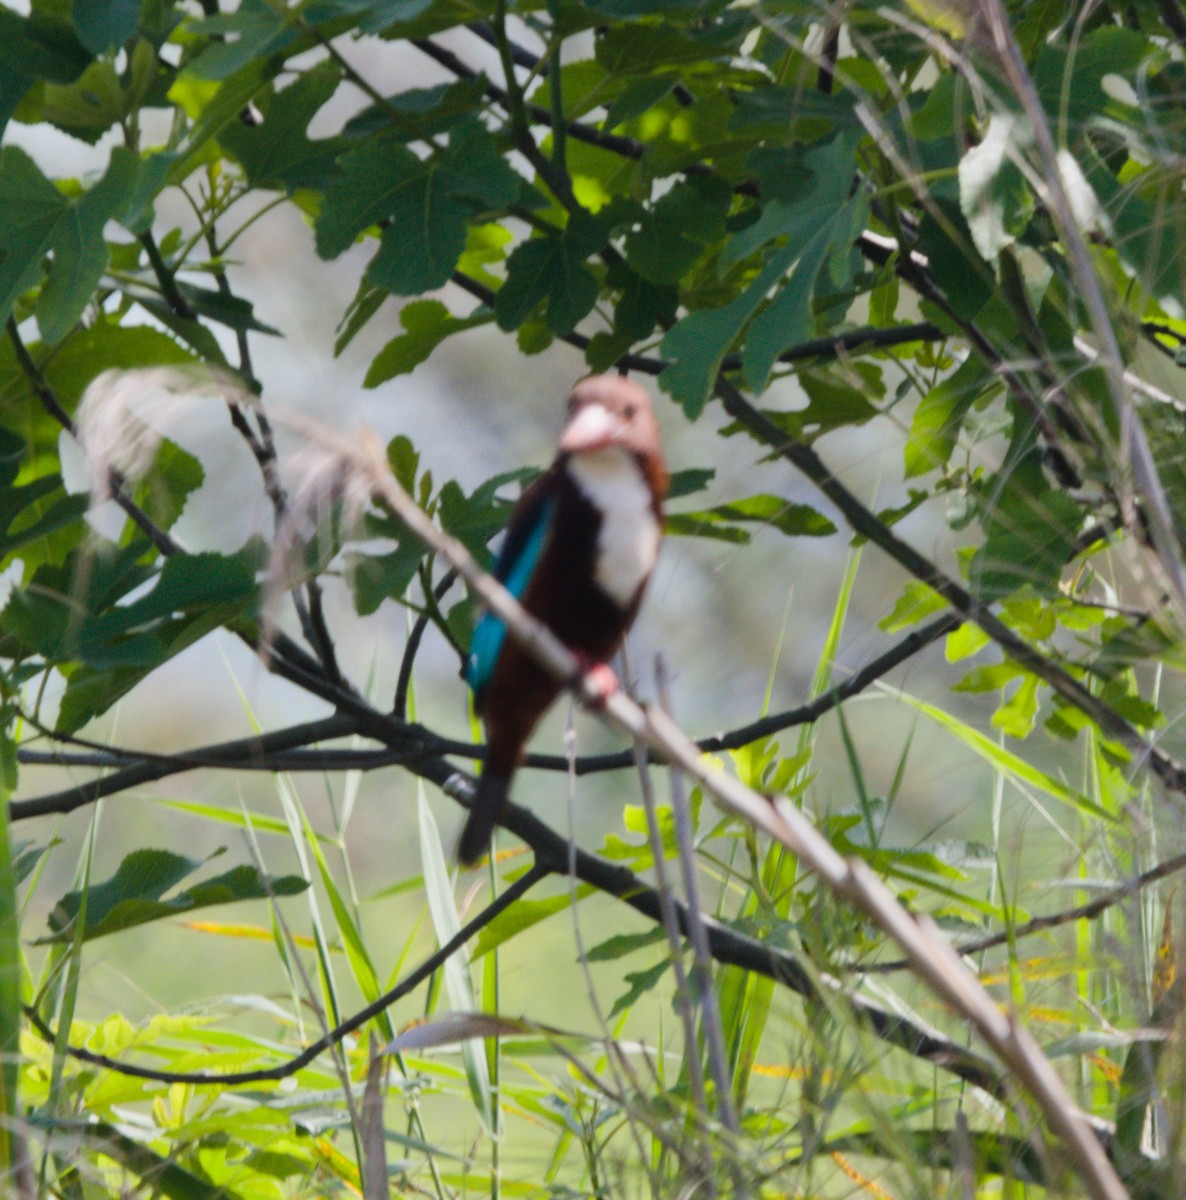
787	319
30	208
80	253
552	269
40	44
278	152
803	232
424	205
677	231
105	24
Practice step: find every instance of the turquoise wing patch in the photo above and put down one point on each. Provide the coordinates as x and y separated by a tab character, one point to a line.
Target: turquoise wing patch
490	632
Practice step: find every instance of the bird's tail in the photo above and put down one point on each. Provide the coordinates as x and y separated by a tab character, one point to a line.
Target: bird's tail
490	798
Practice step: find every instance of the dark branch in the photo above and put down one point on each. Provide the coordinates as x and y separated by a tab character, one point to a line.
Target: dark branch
166	279
736	949
290	1067
866	523
1174	18
415	635
284	750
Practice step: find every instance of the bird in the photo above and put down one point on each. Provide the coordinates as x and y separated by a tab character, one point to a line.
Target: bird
580	546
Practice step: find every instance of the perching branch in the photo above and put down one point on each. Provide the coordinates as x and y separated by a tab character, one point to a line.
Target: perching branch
287	750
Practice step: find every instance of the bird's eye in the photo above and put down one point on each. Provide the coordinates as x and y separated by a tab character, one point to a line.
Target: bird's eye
629	411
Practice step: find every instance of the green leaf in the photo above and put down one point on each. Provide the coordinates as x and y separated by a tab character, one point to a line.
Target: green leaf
80	253
1017	716
1031	533
552	269
163	492
1070	80
795	520
916	603
420	112
41	45
639	47
30	208
640	982
426	324
425	205
105	24
957	267
788	319
698	343
524	915
35	509
255	31
278	151
378	577
940	414
641	305
1145	230
234	312
89	106
636	97
692	479
476	518
682	225
693	525
133	895
622	944
994	197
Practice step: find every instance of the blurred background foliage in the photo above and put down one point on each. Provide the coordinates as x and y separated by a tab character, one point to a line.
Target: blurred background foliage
907	281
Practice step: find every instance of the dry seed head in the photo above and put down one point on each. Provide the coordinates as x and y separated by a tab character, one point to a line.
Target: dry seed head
123	416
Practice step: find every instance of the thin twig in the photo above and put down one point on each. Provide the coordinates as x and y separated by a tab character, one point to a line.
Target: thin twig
1081	912
403	683
166	279
683	993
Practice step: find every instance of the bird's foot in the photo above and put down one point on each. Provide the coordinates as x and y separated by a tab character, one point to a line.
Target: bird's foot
600	679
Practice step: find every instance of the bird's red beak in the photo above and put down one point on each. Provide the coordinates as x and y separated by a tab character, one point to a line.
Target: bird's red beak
593	428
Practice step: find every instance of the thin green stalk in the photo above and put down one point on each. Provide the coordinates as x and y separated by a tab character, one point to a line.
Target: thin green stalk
10	991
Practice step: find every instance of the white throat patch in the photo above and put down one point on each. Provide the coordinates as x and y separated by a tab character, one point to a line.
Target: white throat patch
628	540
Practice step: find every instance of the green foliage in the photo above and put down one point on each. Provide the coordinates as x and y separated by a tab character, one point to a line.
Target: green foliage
848	228
133	895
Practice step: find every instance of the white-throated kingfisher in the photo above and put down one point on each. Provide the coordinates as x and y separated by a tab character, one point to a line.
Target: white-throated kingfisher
580	546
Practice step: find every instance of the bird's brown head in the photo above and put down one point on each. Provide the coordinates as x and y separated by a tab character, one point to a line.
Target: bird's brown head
605	411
